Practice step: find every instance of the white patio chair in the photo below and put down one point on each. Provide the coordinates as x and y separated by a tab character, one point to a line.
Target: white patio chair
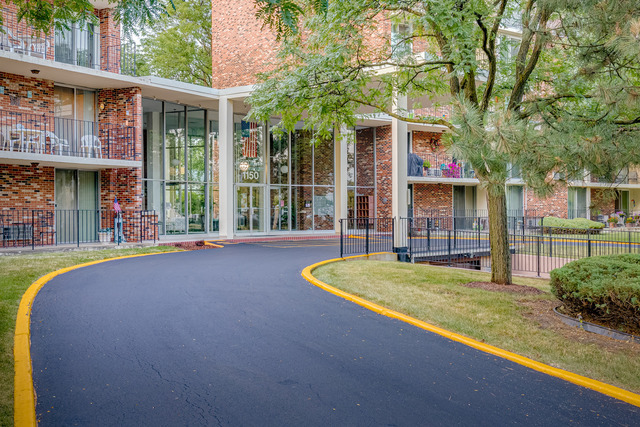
56	142
30	138
91	144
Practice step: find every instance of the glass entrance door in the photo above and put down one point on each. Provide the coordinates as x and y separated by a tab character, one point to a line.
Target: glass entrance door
250	208
76	196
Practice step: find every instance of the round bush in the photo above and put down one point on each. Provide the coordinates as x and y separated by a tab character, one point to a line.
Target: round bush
605	289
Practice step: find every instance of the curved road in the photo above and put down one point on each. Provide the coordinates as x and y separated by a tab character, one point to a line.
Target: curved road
235	336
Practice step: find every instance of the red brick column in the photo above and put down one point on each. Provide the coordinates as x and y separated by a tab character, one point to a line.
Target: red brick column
383	171
109	40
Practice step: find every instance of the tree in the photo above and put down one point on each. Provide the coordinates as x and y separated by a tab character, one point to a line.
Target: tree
561	97
43	15
178	45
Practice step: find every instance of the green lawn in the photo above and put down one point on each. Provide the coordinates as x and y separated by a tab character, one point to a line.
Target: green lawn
433	294
18	272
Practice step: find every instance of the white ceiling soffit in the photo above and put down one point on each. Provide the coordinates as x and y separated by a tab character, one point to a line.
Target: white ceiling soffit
152	87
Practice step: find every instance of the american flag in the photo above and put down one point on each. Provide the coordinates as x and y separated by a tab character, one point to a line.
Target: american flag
250	142
116	205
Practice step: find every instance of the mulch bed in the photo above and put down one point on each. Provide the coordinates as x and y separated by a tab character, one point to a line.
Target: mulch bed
191	246
494	287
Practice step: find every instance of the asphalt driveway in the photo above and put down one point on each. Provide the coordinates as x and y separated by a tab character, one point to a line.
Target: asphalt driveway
235	336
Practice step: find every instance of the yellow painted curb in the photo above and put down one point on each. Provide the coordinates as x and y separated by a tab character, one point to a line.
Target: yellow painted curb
207	243
598	386
24	396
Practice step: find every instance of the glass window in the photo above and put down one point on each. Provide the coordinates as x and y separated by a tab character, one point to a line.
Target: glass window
301	158
152	200
197	208
279	204
214	149
152	134
323	208
214	208
78	45
279	162
351	158
195	144
174	208
249	152
302	208
515	205
364	159
175	142
323	162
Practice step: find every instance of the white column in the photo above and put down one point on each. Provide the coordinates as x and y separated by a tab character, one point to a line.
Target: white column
226	168
399	186
340	159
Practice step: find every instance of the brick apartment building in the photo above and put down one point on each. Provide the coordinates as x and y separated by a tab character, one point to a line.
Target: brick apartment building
79	128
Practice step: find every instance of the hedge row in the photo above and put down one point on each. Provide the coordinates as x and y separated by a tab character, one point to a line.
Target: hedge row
605	289
555	225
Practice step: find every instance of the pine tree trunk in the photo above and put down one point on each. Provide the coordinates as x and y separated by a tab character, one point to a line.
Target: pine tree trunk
499	235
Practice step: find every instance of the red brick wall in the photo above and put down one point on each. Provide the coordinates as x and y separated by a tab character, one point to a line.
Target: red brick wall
109	40
240	47
434	198
16	87
427	145
28	187
383	171
554	205
602	202
122	107
365	160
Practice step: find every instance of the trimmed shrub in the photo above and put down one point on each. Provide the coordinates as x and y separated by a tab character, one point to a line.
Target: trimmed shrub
605	289
570	226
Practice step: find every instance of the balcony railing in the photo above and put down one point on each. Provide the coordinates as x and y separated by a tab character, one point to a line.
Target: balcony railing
442	166
42	134
74	46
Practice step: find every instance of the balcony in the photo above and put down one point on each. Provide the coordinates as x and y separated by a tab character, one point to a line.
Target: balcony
438	168
75	46
35	137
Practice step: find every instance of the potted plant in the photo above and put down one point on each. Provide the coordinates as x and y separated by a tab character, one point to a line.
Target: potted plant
630	221
426	164
612	220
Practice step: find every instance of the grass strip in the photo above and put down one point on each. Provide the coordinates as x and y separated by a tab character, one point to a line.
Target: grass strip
434	295
18	272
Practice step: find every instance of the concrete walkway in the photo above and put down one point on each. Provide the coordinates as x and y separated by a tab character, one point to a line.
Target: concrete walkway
235	336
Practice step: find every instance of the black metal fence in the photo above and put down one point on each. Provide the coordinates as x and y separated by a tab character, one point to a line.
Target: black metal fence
35	228
366	235
42	134
533	249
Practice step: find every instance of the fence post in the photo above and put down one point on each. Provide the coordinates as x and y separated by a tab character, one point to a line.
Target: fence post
78	226
588	242
366	239
393	232
428	238
449	246
538	245
341	242
33	232
629	241
455	237
550	243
